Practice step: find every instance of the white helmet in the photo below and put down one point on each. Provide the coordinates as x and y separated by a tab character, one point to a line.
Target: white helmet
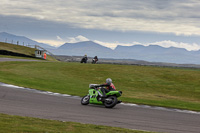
108	80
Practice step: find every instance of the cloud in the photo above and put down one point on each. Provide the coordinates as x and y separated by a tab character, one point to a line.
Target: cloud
55	43
77	39
163	16
113	45
59	41
59	38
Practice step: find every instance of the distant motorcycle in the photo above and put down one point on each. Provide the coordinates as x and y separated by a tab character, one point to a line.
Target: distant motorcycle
94	61
94	97
84	60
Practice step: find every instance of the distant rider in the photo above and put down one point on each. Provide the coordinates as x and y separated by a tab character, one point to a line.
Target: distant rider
84	59
94	60
109	87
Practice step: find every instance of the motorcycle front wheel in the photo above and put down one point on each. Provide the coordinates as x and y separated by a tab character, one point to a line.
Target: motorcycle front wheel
110	102
85	100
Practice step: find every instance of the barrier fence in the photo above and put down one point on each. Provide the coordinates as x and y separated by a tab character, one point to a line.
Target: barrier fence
12	41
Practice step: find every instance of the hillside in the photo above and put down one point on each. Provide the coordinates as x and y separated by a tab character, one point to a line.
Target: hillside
30	52
19	51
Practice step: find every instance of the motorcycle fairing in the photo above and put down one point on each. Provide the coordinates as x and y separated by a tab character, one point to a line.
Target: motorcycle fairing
93	96
117	93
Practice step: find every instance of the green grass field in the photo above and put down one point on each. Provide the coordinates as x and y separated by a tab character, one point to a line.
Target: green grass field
157	86
18	124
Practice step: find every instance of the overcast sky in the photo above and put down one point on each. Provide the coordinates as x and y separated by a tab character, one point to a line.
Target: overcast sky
108	22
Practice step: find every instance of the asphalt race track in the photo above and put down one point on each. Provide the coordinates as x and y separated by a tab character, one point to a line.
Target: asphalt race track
27	102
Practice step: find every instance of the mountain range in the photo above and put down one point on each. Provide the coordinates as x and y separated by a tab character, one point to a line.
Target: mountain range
155	53
152	53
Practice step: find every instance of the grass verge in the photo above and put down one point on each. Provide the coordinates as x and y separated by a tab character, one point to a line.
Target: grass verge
157	86
18	124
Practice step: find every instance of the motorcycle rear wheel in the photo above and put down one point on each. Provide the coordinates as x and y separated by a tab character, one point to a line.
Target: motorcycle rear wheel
110	102
85	100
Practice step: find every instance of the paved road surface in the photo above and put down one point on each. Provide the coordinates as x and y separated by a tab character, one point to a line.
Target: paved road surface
24	102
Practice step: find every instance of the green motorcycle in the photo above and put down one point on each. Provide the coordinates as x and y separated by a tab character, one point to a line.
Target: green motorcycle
94	97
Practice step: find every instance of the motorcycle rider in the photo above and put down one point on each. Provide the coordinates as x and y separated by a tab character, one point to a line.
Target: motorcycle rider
84	59
109	87
94	60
